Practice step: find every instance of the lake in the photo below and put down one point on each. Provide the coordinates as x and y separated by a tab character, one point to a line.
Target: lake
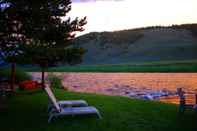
128	84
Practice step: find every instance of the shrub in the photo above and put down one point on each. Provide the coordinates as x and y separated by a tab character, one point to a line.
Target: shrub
20	74
55	81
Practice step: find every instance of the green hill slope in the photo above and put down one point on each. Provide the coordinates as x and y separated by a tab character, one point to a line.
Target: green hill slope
140	45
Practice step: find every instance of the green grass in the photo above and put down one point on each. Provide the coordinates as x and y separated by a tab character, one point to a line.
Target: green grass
161	66
27	112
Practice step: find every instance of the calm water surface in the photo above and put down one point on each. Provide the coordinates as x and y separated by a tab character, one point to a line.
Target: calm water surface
155	81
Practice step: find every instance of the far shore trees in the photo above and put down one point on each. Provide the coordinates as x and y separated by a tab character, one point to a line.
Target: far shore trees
39	33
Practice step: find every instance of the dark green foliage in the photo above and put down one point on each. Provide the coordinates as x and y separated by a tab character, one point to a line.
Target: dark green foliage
55	81
49	33
120	37
74	55
11	33
52	56
116	37
20	74
36	29
190	27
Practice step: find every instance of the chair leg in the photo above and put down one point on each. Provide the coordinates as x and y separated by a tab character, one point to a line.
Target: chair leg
51	117
49	108
51	111
98	115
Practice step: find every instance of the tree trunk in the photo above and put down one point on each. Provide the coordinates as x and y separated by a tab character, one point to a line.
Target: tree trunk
13	76
43	77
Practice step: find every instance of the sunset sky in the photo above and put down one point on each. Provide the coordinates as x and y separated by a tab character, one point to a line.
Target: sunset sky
110	15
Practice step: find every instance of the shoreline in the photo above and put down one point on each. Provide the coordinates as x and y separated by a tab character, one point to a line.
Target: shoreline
131	92
148	86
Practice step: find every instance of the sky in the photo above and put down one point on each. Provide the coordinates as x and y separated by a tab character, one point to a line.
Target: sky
112	15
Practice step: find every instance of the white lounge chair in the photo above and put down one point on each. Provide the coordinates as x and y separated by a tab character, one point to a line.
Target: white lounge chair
58	110
64	103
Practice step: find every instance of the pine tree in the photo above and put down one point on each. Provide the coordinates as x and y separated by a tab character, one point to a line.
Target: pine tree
43	37
11	36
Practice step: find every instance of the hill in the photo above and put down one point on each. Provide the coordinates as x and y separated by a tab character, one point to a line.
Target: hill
158	43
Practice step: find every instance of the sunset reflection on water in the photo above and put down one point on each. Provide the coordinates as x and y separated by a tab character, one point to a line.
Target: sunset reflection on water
156	81
100	82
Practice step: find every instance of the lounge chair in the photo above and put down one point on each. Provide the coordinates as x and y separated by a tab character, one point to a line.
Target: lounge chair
64	103
59	111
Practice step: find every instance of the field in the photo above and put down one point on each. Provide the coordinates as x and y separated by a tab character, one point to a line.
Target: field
160	66
27	111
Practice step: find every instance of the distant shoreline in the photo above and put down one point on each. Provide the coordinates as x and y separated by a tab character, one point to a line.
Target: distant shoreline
187	66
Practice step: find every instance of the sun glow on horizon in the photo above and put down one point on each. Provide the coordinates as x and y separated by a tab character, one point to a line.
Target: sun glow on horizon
126	14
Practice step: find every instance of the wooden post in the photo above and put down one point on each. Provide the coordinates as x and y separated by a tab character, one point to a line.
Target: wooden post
195	106
43	77
196	98
181	100
43	65
13	76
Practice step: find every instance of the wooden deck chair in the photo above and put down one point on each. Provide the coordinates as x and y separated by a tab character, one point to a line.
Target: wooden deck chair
59	111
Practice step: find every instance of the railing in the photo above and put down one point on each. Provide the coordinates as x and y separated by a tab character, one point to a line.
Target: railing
182	100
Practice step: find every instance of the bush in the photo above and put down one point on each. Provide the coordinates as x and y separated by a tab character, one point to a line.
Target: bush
55	81
20	74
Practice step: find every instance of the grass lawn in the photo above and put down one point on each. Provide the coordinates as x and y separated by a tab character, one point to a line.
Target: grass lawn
159	66
27	112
